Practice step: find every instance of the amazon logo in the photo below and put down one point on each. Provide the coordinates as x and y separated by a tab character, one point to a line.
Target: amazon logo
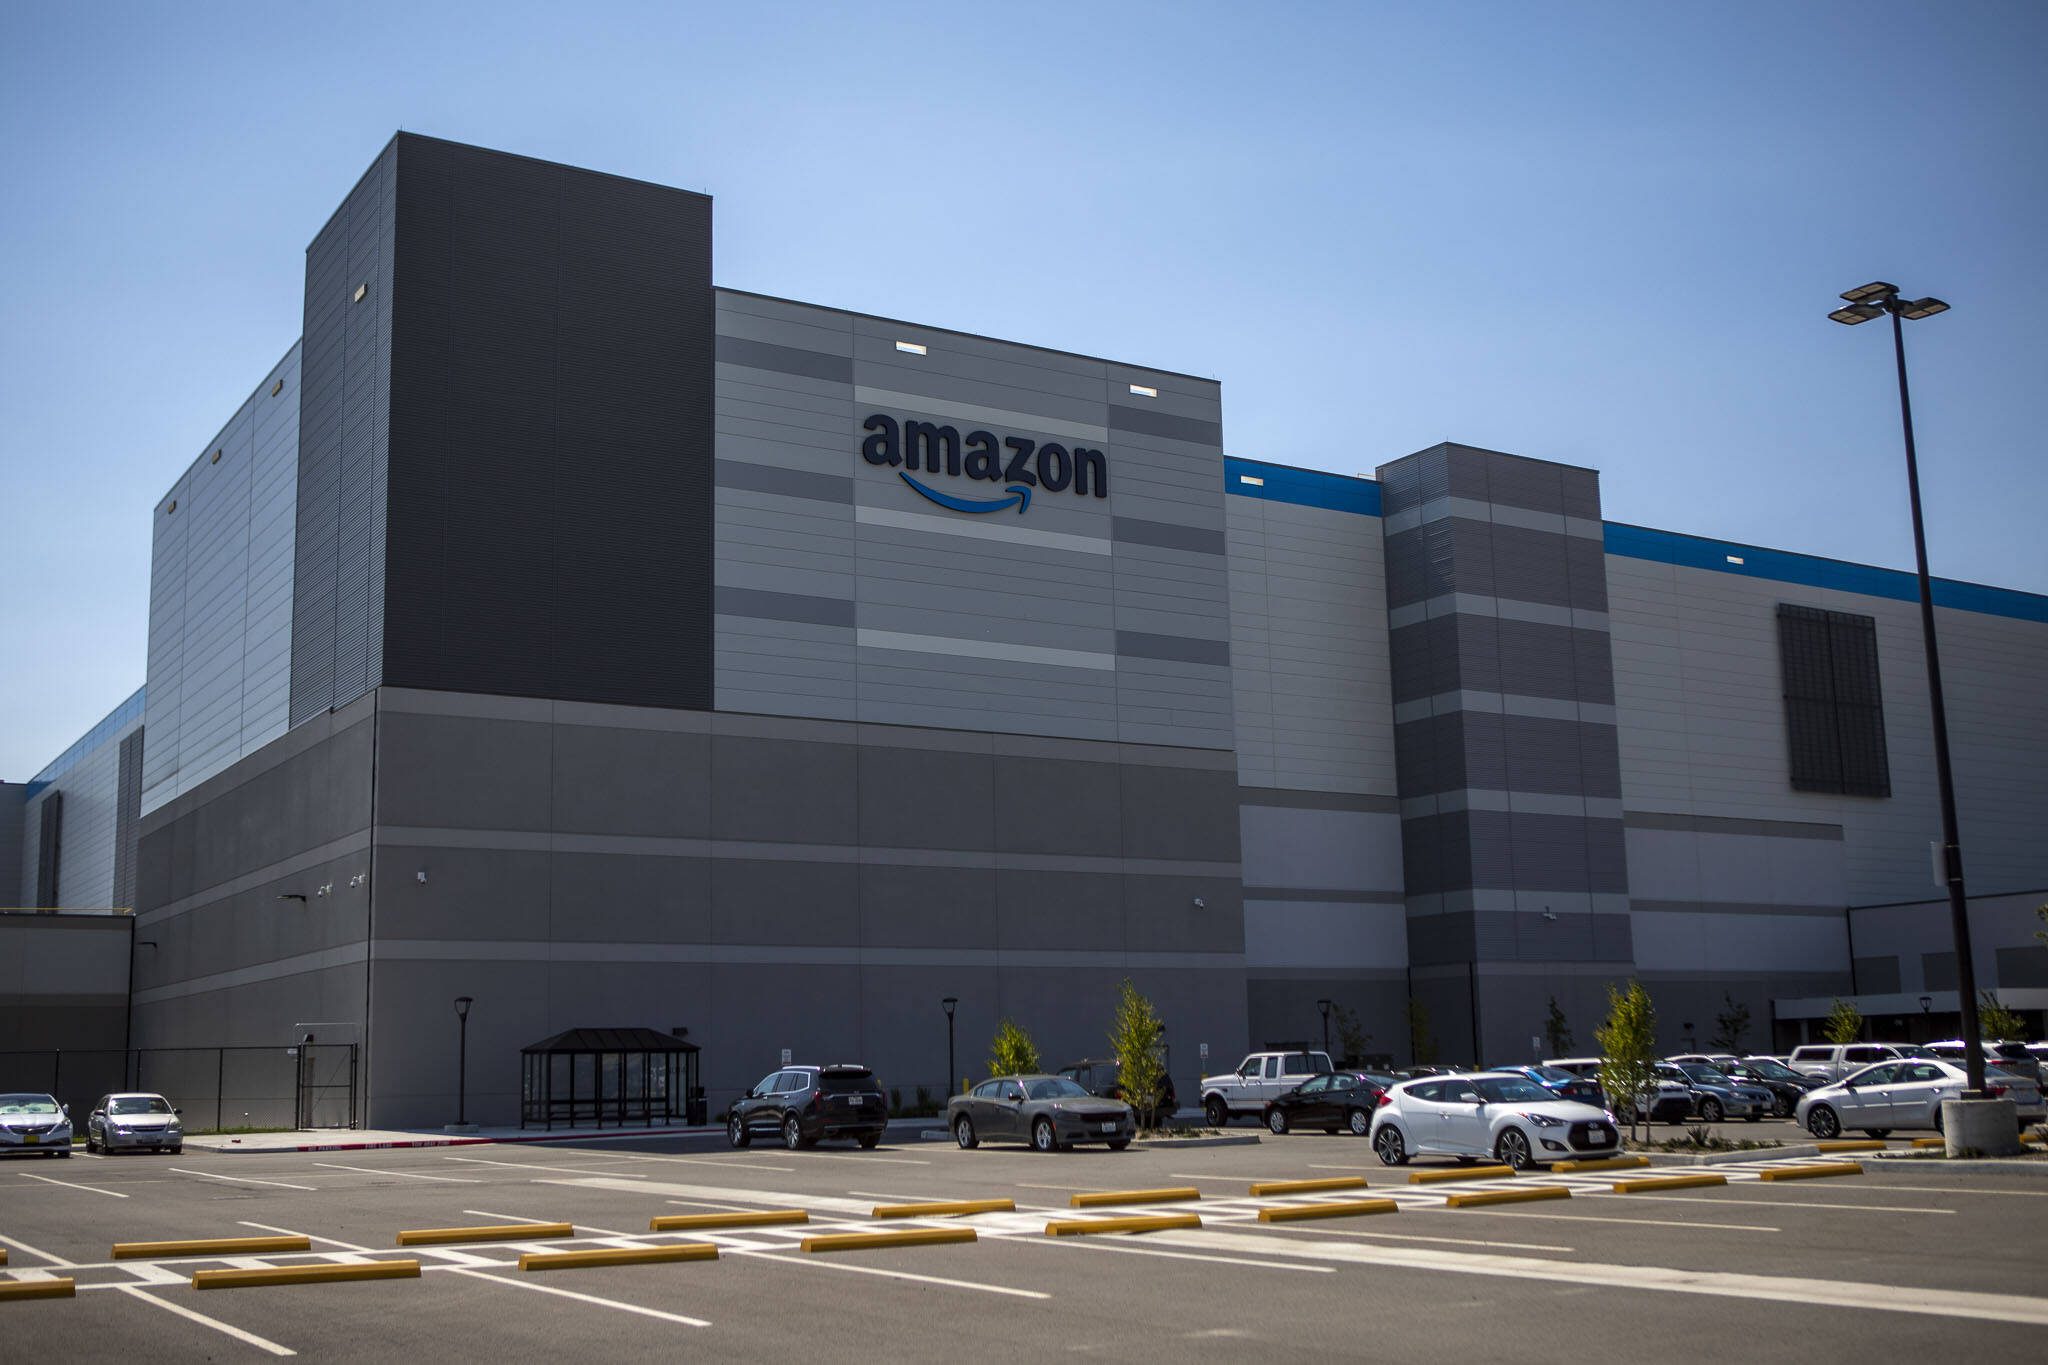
1020	464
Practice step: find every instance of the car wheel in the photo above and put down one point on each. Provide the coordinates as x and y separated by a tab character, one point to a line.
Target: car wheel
1786	1104
92	1144
736	1131
1118	1144
1043	1138
1512	1150
1361	1124
1752	1118
1276	1121
67	1151
1711	1111
793	1134
1387	1145
1878	1132
1822	1123
178	1150
963	1133
1216	1111
1937	1117
869	1141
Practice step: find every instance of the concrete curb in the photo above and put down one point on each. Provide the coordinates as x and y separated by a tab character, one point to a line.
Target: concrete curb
1729	1158
232	1147
1220	1140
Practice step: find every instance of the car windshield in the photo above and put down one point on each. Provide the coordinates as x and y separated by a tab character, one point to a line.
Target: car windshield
138	1104
1551	1073
1700	1071
1777	1071
1501	1090
1056	1088
27	1104
846	1080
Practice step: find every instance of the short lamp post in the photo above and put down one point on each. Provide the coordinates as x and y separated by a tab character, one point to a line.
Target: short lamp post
1860	305
462	1004
948	1004
1325	1006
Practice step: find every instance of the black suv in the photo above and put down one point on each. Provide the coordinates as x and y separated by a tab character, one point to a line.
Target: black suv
1100	1077
806	1103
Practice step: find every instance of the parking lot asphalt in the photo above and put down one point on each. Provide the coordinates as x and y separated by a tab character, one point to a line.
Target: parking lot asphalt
1885	1262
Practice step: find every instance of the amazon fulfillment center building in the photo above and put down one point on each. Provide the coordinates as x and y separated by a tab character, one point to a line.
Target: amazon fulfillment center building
555	628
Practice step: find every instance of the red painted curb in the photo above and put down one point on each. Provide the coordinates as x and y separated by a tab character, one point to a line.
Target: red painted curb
463	1141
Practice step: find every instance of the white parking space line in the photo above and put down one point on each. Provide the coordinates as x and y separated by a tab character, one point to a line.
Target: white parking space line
863	1160
294	1232
374	1170
581	1228
1291	1230
1518	1215
1885	1188
1082	1189
92	1189
821	1202
25	1249
900	1198
538	1166
1865	1298
727	1163
707	1204
1083	1244
242	1179
249	1338
1324	1166
892	1274
1762	1203
489	1277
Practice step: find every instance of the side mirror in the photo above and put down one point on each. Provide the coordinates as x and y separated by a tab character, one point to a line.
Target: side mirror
67	1110
179	1112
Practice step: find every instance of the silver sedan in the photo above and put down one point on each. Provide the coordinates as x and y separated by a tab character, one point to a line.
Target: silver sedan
36	1123
133	1122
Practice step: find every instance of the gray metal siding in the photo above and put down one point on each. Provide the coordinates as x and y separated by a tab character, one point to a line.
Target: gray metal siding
548	515
79	859
221	594
344	409
843	595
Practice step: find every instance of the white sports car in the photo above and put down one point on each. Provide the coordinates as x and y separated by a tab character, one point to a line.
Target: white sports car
1488	1114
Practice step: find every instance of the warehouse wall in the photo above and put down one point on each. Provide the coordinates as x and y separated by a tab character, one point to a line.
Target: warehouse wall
843	594
772	882
1318	815
96	827
220	595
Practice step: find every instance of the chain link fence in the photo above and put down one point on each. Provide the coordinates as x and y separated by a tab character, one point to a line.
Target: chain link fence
314	1085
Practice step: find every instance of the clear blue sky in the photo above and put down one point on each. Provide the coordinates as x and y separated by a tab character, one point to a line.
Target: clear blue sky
1604	234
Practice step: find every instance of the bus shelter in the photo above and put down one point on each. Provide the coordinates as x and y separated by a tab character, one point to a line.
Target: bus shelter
591	1077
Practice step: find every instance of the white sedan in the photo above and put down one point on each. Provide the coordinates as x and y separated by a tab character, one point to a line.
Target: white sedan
1906	1094
1488	1114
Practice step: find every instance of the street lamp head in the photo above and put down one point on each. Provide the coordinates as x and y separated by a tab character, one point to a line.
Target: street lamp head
1926	1003
1913	309
949	1002
462	1004
1864	293
1324	1005
1856	313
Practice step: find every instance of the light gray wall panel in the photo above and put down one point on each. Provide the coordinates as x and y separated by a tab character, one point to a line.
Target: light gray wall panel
96	836
221	581
1703	732
1004	621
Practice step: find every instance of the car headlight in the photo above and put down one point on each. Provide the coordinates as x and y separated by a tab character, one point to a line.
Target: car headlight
1544	1120
121	1129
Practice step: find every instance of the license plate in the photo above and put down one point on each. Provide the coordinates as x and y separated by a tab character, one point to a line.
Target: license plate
856	1099
1109	1127
31	1139
1599	1130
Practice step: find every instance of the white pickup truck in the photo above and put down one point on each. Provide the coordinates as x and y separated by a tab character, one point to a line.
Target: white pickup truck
1258	1078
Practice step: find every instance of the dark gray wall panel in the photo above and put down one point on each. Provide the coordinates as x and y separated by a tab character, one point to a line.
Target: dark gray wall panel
1179	813
1880	975
628	898
928	907
632	782
785	790
763	902
551	441
1052	806
920	798
463	772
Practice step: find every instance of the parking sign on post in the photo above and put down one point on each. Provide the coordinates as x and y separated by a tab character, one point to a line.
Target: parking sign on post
785	1056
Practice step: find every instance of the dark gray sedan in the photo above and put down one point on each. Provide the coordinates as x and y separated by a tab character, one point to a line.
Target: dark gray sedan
1049	1112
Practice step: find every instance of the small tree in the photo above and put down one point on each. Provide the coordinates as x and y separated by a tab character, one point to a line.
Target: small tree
1628	1051
1134	1040
1011	1052
1350	1035
1996	1022
1731	1026
1421	1042
1557	1034
2042	934
1844	1023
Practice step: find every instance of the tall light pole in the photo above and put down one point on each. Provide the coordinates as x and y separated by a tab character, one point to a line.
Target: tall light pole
462	1004
1861	305
1325	1006
948	1003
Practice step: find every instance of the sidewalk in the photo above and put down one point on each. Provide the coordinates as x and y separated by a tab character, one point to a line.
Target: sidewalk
369	1139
